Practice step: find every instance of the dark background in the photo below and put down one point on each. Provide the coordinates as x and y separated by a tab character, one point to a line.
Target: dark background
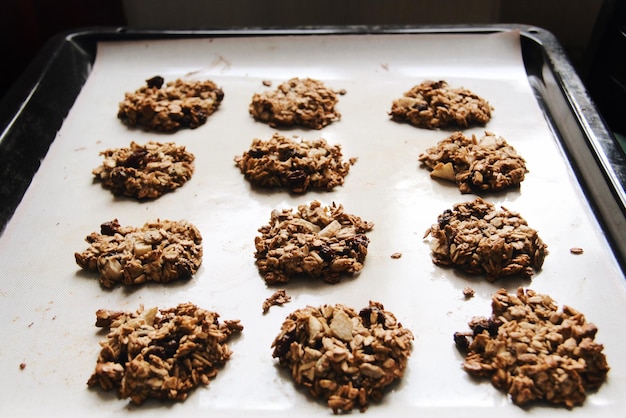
592	32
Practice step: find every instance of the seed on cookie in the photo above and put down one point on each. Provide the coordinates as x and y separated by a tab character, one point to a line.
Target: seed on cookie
297	102
178	104
434	104
314	241
145	171
159	251
488	164
534	351
341	357
297	166
477	238
160	354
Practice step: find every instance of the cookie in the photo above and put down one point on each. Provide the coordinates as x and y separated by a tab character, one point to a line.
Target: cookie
180	104
477	238
434	104
533	351
160	354
145	171
316	241
297	166
159	251
296	102
488	164
341	357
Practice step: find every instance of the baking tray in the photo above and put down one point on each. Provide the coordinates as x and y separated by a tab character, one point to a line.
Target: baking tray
62	113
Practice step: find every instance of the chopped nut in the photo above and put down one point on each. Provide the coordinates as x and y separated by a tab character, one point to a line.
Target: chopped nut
488	164
341	326
348	363
479	239
434	104
161	354
534	352
178	105
279	297
145	171
316	241
305	102
444	171
296	166
175	253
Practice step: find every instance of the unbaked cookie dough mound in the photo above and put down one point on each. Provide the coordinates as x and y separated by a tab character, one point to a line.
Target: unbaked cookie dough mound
179	104
161	354
145	171
478	238
297	166
297	102
488	164
159	251
343	358
434	104
534	351
315	241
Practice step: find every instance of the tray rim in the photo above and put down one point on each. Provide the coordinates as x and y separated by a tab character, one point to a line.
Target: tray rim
592	151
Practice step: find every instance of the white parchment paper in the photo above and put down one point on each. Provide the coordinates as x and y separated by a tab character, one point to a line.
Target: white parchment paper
47	306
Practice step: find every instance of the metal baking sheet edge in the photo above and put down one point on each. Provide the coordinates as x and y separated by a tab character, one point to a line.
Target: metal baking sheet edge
33	110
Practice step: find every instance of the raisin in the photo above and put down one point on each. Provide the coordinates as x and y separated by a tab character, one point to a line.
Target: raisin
110	228
136	160
325	252
298	181
155	82
462	341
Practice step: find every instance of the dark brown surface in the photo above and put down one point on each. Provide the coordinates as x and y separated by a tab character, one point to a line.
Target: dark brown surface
26	25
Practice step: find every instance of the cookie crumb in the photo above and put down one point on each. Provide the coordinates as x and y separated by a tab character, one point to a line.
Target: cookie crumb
468	292
278	298
396	255
267	83
576	250
22	366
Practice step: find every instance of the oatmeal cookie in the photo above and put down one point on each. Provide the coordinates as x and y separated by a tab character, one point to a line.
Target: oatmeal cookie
145	171
486	165
180	104
341	357
294	165
533	351
159	251
296	102
315	241
434	104
479	239
160	354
